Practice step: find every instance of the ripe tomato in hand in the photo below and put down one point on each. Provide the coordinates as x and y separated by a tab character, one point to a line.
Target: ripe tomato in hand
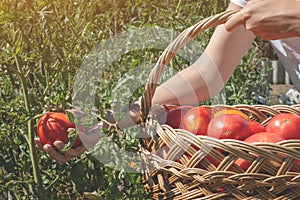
54	126
285	124
175	116
256	127
258	137
229	126
196	120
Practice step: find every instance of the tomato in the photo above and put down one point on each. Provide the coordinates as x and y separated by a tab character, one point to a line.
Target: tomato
229	126
231	111
285	124
175	116
243	164
170	107
196	120
258	137
256	127
54	126
264	137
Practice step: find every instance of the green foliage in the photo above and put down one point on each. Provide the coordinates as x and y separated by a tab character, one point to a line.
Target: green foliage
43	44
250	78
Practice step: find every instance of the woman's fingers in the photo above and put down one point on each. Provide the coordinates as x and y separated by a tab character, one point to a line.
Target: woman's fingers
55	153
73	152
235	21
38	142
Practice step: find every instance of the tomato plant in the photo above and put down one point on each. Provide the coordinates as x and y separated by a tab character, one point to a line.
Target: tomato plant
54	126
196	120
229	126
286	125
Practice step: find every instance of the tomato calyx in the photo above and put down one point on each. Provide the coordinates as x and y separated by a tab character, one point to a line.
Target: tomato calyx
72	133
71	117
285	120
72	136
227	132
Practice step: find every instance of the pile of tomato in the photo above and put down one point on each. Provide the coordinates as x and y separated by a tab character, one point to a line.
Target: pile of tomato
230	123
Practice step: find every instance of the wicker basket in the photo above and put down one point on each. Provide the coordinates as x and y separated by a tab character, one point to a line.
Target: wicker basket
273	174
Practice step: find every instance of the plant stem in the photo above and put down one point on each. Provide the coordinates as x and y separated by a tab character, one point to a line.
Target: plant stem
30	126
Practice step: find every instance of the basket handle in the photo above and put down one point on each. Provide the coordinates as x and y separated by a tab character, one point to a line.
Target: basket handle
171	51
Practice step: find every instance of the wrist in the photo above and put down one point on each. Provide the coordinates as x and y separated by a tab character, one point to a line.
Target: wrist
132	116
135	111
109	119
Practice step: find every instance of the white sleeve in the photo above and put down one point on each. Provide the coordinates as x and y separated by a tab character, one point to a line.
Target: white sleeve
240	3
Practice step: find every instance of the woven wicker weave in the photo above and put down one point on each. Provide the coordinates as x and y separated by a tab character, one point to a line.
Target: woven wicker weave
273	174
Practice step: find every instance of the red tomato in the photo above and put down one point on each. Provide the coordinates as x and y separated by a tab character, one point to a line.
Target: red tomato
231	111
264	137
286	125
170	107
256	127
196	120
175	116
243	164
54	126
259	137
230	126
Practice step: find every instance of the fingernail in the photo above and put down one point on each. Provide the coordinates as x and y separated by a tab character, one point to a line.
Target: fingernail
46	148
60	146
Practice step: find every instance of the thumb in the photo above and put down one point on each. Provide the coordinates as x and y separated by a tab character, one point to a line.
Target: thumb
234	21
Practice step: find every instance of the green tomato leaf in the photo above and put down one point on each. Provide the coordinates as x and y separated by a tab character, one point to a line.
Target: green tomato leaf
71	139
71	117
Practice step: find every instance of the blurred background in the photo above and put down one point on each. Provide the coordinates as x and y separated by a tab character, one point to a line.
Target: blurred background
43	43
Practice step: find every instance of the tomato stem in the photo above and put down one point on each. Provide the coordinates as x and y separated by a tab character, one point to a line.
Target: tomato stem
30	126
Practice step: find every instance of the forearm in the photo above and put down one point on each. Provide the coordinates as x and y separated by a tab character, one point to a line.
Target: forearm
208	75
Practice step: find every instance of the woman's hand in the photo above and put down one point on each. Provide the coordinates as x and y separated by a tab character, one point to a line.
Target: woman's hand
89	136
269	19
55	153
